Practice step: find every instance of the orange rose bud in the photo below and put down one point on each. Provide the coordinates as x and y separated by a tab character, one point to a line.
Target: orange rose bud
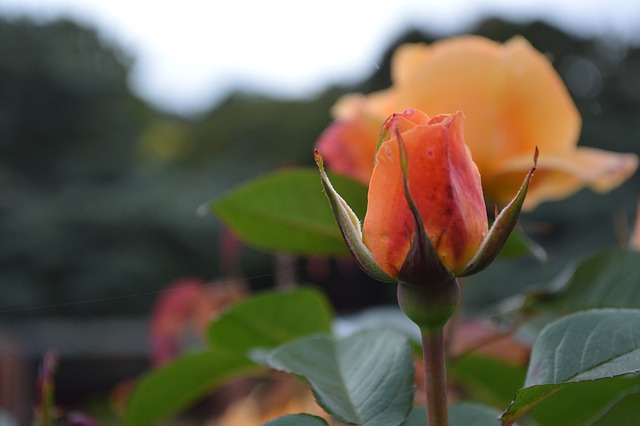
426	221
444	183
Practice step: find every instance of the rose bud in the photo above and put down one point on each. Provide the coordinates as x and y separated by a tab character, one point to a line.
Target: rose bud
426	221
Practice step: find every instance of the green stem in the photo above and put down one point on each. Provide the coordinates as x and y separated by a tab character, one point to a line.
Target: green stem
430	307
435	377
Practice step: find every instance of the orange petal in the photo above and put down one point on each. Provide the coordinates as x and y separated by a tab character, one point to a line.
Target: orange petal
511	95
348	144
407	60
445	186
560	175
513	99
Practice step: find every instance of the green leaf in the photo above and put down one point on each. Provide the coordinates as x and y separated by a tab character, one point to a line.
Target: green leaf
269	319
366	378
287	212
519	244
167	391
417	417
589	345
623	411
605	280
297	420
379	317
461	414
486	379
263	321
467	413
577	404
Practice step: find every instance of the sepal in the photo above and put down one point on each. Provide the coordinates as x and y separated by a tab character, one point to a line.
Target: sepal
430	307
383	135
350	228
501	229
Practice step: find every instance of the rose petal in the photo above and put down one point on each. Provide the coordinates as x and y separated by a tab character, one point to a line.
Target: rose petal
562	174
511	95
513	100
348	144
445	186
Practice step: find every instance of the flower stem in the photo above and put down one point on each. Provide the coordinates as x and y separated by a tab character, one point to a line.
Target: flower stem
435	377
430	307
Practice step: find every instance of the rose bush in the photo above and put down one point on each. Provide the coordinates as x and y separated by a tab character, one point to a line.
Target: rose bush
513	100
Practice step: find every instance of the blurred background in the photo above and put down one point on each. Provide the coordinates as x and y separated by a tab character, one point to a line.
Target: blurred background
119	120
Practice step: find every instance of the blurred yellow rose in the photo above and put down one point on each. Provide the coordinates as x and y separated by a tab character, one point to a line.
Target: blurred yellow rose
513	100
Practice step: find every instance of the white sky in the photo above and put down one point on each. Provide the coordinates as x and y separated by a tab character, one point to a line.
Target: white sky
191	53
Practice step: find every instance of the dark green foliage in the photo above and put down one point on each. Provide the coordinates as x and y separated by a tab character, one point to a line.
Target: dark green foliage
65	108
99	190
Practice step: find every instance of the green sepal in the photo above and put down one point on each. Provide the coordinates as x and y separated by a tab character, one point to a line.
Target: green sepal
382	136
422	266
501	229
430	306
350	228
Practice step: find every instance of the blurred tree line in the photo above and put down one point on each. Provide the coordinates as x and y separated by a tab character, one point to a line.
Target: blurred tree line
100	190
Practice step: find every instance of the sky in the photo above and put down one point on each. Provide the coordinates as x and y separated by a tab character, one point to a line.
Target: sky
190	54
